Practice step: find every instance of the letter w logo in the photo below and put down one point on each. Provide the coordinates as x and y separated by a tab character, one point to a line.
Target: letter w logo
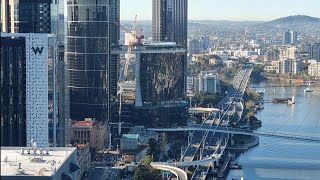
36	50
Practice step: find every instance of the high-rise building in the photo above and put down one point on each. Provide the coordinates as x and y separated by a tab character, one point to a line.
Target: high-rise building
293	37
211	83
114	40
92	68
42	16
159	17
26	16
289	37
13	92
286	38
194	46
290	66
314	51
207	82
162	76
170	21
288	52
159	87
29	96
314	68
271	55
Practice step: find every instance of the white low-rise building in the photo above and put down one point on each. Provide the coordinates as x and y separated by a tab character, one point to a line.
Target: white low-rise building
24	163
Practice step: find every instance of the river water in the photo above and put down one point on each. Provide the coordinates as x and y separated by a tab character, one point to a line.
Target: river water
276	158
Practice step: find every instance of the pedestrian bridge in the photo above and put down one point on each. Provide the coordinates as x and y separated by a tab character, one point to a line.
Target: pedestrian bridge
179	173
238	131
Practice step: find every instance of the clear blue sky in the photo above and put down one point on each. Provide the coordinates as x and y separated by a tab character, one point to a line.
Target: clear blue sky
228	9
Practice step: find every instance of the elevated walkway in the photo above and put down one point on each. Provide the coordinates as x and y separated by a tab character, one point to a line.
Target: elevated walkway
179	173
239	131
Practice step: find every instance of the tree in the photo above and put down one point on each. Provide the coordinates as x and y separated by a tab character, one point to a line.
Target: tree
148	159
153	149
257	73
227	73
249	115
138	175
250	94
163	140
250	105
146	172
204	99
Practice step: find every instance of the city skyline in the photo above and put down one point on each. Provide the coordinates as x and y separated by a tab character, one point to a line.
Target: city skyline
249	10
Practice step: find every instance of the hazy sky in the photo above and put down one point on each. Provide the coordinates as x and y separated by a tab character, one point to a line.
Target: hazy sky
228	9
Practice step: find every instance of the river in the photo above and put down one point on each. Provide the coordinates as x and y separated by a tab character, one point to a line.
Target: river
276	158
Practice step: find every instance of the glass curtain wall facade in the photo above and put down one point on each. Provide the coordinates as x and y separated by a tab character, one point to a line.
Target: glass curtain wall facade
26	16
42	16
314	51
13	91
180	22
88	58
58	27
159	18
114	40
170	21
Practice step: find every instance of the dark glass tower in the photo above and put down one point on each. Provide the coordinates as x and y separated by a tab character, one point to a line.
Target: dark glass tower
114	40
26	16
170	21
13	91
314	51
42	16
180	22
92	69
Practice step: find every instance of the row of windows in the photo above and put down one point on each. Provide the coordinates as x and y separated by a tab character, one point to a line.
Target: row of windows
81	134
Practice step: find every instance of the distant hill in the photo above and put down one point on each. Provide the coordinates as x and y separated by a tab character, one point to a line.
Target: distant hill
298	19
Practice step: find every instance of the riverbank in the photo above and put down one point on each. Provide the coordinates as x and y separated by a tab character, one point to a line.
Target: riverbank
246	146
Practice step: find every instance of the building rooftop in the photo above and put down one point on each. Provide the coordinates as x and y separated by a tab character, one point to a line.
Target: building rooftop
87	122
82	123
131	136
33	164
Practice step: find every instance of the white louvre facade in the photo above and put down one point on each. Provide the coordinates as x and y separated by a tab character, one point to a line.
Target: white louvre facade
40	83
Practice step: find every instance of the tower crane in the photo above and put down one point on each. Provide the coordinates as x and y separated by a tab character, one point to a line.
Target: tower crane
126	64
133	33
139	38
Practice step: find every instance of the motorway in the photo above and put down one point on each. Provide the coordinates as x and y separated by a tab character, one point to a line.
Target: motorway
219	140
207	145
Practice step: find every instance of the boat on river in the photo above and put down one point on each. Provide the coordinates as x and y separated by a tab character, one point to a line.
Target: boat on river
308	89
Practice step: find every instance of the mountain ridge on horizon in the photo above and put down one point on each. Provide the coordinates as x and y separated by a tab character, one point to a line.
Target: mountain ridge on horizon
286	19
